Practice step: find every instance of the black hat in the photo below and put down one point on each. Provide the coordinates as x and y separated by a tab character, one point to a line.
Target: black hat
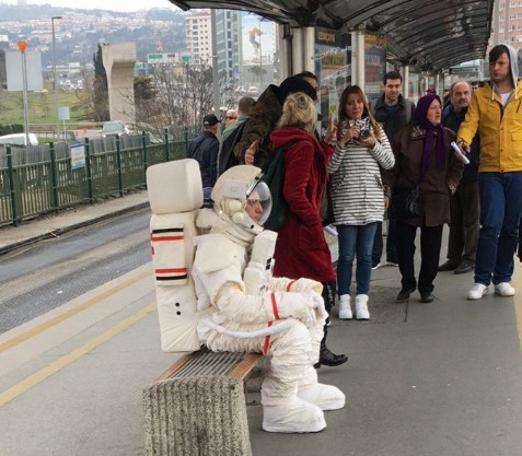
210	120
295	84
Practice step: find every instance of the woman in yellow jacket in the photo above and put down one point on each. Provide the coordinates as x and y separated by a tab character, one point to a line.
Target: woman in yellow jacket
496	113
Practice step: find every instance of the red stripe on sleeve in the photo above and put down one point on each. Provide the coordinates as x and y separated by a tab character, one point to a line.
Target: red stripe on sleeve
274	306
290	285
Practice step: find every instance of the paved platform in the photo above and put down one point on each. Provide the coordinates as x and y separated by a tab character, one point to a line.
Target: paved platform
441	379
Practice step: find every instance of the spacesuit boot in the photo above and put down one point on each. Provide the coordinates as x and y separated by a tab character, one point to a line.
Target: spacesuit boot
326	397
283	411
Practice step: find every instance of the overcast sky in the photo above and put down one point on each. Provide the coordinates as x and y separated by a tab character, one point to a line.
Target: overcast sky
116	5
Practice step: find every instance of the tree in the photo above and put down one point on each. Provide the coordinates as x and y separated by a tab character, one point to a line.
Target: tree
100	88
174	96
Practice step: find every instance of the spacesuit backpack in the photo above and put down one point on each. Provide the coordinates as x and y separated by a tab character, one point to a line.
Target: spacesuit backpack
175	196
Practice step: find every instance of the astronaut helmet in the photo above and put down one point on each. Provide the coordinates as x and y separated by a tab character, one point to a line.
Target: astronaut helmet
242	196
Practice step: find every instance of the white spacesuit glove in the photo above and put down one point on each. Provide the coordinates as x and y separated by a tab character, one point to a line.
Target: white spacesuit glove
320	310
300	306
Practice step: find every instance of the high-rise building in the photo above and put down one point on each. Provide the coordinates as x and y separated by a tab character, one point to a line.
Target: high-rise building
514	35
198	32
229	46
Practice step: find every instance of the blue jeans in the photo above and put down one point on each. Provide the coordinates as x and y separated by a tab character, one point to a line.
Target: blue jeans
500	209
355	239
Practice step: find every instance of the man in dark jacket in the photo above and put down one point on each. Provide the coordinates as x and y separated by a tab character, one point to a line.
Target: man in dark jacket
465	212
253	147
393	112
204	148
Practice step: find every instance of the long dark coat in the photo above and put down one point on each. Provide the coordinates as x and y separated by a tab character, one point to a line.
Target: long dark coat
434	187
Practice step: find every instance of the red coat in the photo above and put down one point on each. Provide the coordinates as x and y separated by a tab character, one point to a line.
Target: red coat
301	249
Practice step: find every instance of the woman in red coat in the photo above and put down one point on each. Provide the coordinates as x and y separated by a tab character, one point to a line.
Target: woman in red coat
301	249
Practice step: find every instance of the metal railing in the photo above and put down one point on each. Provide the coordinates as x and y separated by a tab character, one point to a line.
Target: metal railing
29	188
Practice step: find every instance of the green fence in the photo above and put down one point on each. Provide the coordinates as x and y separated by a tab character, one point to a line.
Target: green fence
33	189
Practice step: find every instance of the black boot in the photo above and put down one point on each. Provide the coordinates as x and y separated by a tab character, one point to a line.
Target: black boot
326	357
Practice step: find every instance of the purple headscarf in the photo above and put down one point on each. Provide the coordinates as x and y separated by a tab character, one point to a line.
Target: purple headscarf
420	116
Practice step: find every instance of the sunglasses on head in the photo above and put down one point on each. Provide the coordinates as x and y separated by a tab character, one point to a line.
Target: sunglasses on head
230	117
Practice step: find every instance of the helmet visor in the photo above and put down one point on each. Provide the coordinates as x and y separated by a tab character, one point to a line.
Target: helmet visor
258	202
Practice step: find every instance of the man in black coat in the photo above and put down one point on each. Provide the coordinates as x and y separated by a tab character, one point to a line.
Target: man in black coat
205	148
393	112
465	208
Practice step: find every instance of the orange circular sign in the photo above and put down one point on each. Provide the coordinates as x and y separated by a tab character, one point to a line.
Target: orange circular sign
22	45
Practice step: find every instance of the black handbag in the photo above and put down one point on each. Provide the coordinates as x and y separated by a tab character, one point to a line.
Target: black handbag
407	203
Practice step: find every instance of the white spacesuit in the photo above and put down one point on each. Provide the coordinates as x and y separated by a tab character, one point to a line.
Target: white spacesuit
247	310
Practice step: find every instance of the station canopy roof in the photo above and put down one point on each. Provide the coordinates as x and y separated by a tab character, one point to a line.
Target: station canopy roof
430	34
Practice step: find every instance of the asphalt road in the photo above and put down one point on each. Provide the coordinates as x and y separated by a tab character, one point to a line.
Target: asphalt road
55	271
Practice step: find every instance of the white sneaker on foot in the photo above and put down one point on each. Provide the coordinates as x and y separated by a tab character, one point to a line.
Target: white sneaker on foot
361	307
377	266
477	291
504	289
345	310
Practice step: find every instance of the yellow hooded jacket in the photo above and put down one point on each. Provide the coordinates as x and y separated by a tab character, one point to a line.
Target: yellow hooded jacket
499	127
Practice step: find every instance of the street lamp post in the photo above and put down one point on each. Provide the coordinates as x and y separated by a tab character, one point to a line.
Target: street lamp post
22	46
54	50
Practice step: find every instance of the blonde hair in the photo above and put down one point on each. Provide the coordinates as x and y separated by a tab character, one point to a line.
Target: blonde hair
299	111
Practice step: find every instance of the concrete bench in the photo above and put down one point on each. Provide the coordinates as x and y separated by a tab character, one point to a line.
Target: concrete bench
198	407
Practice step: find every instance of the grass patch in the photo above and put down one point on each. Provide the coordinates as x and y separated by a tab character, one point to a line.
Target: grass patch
43	107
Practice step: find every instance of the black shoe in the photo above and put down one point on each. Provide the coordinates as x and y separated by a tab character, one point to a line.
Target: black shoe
404	294
328	358
448	266
464	267
426	297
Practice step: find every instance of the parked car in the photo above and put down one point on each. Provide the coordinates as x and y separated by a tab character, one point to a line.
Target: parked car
114	127
19	139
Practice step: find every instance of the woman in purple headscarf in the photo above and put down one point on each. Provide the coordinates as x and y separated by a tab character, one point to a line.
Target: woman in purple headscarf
426	173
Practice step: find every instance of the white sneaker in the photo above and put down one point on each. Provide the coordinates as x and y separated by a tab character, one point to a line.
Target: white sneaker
361	307
504	289
477	291
345	310
377	266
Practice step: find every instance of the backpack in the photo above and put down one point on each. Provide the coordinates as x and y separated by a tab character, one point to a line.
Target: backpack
227	158
273	175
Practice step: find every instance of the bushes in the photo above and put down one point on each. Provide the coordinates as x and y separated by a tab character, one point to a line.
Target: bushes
13	128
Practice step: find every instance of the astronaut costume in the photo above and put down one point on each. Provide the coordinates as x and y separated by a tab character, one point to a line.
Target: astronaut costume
244	309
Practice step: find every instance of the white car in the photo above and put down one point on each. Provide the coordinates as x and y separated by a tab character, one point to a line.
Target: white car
19	139
114	127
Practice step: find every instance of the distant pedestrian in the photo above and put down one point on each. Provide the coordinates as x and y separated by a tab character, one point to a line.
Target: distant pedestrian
495	112
204	148
465	208
357	196
426	173
230	118
393	111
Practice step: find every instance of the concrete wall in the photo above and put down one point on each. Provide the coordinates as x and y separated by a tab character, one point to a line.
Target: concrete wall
119	60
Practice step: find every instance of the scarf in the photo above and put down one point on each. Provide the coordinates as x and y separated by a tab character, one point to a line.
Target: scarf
427	146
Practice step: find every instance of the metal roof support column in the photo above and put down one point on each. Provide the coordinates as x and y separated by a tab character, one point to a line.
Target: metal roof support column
309	49
437	83
297	50
285	52
358	65
405	81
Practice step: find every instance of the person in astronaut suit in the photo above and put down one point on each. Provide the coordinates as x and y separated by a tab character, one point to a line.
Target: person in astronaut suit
281	318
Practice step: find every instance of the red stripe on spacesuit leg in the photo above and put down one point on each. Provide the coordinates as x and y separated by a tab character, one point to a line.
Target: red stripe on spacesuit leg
266	343
290	285
274	306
